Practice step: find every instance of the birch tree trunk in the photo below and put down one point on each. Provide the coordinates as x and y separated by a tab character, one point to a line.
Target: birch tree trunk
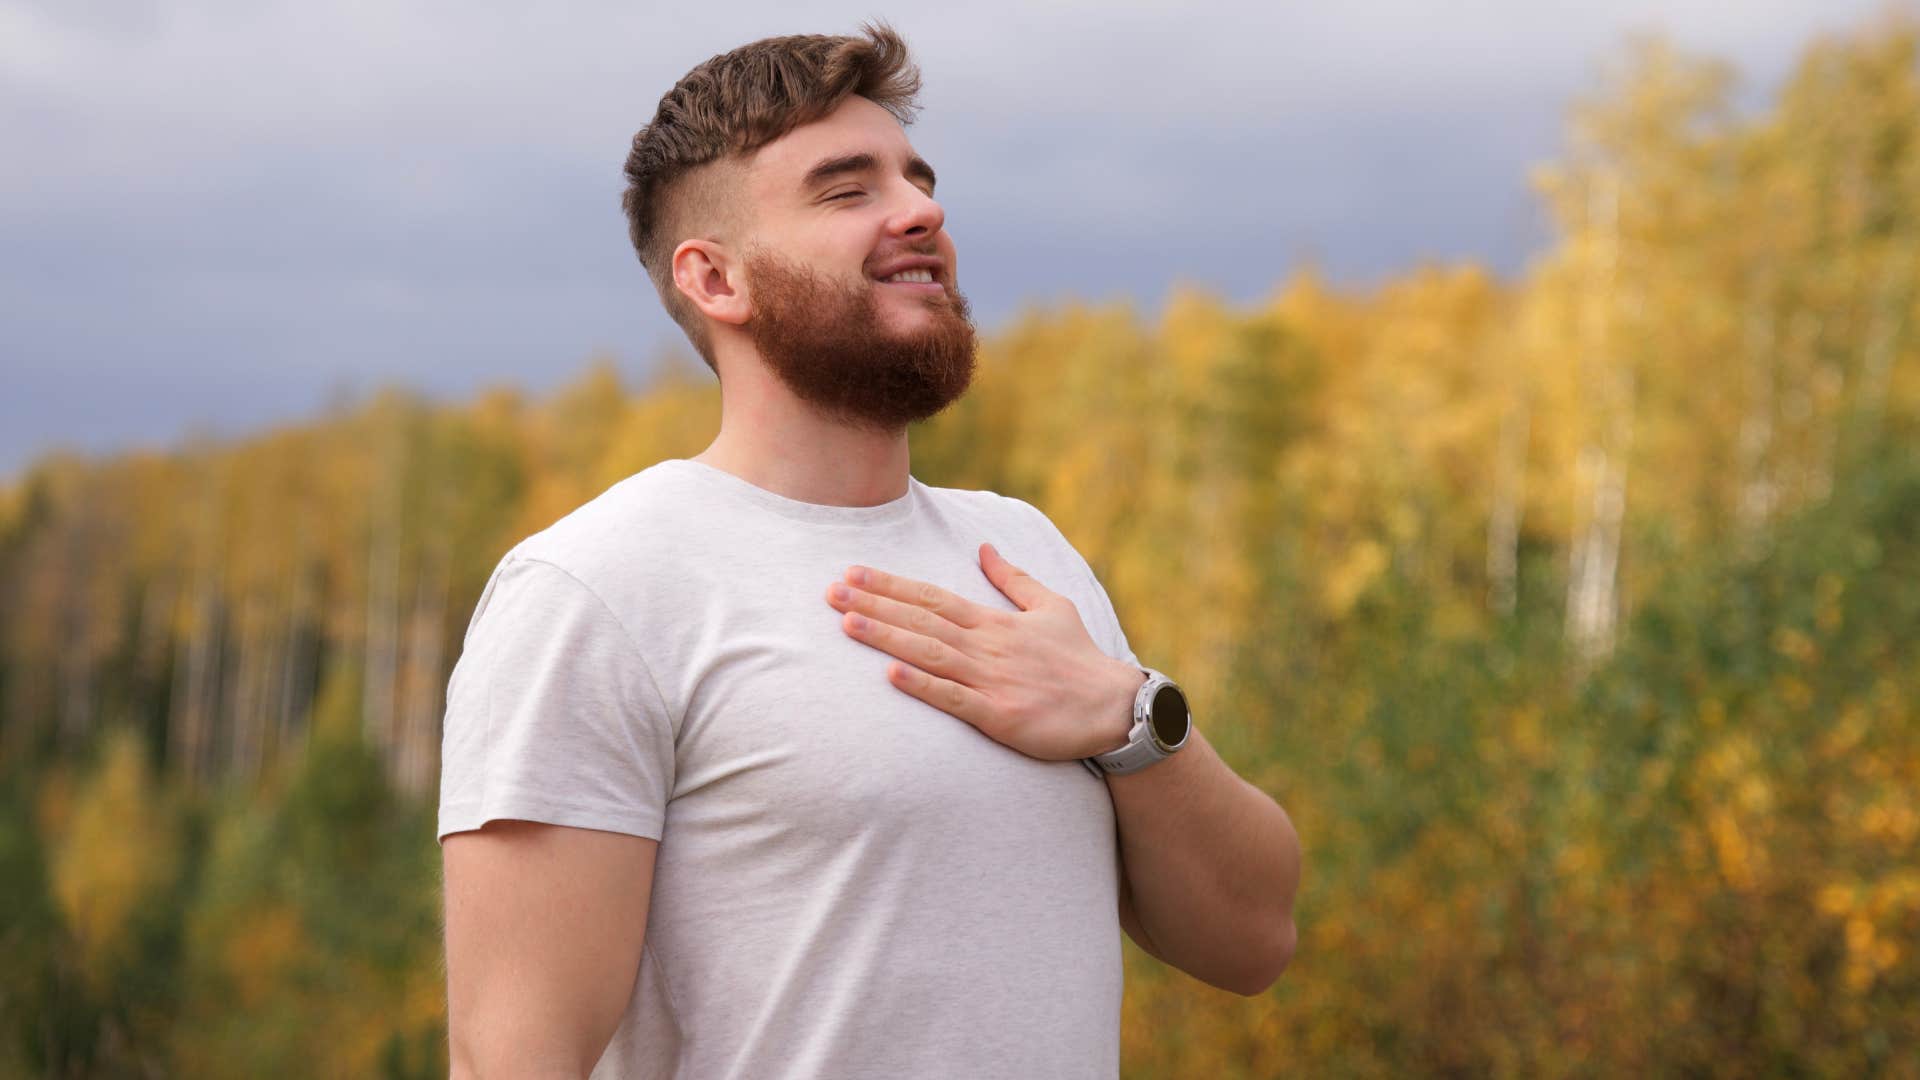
257	663
296	696
419	757
1892	302
188	718
1593	572
157	602
383	588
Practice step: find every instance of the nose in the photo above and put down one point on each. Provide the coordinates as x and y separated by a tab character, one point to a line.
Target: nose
918	216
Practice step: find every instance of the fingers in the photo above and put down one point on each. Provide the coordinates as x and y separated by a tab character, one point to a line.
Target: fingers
944	694
929	654
952	607
909	617
1015	584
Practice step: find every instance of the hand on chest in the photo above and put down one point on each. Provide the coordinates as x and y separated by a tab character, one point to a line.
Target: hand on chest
793	713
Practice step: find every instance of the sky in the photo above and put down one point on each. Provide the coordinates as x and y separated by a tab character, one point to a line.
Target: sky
217	216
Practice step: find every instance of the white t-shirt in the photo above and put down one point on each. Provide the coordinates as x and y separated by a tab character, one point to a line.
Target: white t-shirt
850	882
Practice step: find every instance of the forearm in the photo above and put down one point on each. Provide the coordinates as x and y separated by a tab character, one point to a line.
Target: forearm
1212	863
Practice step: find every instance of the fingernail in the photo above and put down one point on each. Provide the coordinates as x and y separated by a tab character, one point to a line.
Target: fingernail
859	622
839	592
859	575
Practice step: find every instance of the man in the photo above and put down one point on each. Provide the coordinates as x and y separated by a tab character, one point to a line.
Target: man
775	762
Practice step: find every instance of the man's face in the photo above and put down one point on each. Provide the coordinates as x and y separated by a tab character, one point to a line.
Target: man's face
851	272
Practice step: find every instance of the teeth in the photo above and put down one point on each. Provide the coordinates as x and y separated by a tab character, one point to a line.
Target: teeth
923	276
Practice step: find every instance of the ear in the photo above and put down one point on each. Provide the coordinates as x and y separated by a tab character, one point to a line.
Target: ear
711	279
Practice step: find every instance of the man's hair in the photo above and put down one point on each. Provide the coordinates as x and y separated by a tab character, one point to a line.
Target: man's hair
730	106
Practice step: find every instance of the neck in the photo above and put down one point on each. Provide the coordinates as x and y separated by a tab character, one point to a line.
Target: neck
775	441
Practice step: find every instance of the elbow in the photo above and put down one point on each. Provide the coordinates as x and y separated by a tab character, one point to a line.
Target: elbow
1275	959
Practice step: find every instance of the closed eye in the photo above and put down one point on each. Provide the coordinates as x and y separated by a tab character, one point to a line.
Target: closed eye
845	195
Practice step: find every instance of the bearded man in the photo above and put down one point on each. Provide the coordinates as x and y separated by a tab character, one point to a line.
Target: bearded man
776	762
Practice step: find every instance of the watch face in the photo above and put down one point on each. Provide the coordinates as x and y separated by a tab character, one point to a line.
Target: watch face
1170	718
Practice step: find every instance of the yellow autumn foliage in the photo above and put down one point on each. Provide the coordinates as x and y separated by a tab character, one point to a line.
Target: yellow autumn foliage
114	848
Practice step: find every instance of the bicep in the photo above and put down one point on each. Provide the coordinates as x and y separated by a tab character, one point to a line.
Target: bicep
544	928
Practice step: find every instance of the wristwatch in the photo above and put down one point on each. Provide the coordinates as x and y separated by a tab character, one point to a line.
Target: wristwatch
1161	724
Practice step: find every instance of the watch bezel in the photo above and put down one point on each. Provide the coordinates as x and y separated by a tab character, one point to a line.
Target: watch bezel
1151	714
1144	747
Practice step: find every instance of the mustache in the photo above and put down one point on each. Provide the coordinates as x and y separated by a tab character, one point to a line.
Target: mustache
925	248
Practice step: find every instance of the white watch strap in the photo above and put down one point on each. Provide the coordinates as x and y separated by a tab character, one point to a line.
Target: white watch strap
1133	757
1140	750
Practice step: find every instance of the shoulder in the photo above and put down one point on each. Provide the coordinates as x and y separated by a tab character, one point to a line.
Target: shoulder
569	591
608	558
624	527
1025	535
991	507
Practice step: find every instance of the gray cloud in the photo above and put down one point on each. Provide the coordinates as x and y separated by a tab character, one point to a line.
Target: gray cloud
216	213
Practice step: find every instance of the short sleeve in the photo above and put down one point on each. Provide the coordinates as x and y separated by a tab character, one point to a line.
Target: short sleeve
552	714
1102	622
1105	619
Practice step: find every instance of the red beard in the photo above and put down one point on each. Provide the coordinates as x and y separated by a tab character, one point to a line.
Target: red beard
826	342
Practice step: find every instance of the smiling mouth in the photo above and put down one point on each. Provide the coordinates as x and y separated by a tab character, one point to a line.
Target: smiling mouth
920	276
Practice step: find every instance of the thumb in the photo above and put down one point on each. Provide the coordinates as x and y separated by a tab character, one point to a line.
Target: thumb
1018	585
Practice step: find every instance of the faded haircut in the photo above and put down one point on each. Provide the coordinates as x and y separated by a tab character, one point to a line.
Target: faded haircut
729	107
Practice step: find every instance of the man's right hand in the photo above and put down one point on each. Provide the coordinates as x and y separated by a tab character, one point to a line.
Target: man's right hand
544	928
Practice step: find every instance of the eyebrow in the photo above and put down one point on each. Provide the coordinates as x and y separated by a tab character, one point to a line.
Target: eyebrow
917	169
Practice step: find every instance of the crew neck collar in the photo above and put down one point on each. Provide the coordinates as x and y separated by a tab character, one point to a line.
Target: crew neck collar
818	513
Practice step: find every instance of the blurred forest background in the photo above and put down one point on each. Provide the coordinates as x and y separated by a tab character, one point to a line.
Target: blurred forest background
1574	618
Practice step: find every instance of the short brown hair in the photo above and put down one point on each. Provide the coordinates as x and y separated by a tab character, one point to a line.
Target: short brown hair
732	105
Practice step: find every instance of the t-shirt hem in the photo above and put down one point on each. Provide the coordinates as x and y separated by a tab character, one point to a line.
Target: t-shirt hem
464	816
